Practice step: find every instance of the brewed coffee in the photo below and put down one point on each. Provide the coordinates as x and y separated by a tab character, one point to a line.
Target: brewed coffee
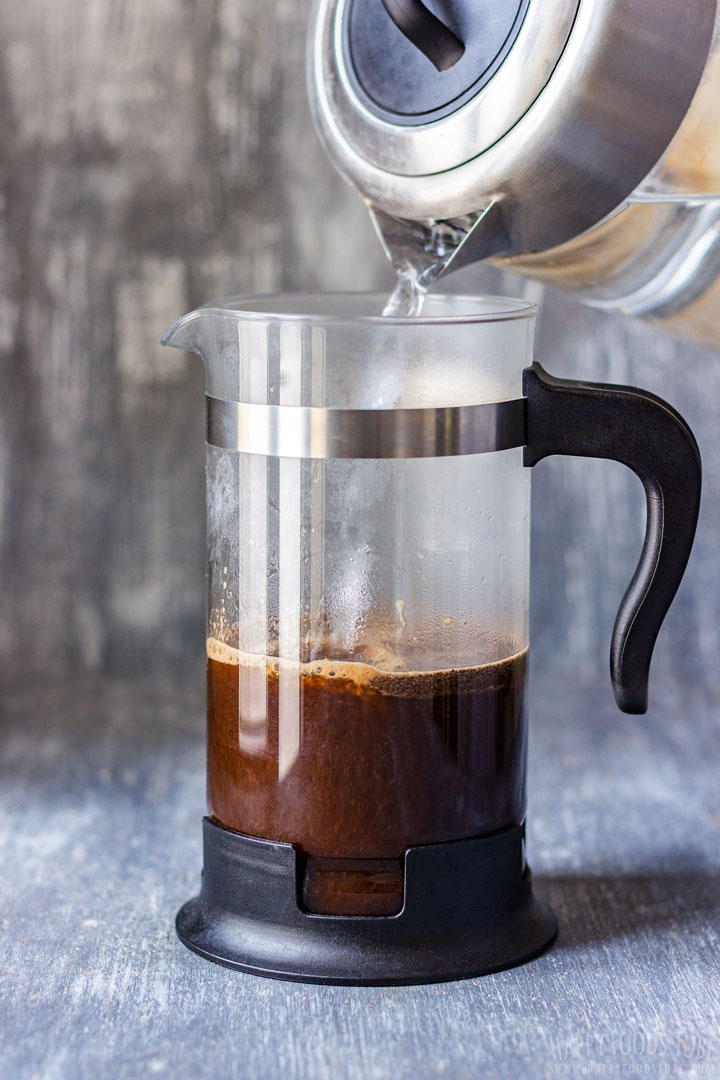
350	762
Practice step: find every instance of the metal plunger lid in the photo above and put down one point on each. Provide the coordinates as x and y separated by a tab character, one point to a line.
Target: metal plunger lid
551	111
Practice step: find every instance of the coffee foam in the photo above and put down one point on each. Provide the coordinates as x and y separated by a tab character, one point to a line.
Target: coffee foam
380	674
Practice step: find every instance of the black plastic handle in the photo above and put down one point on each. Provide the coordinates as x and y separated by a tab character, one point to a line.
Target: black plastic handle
646	434
427	33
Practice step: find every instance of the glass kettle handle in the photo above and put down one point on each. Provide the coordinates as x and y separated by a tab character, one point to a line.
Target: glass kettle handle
645	433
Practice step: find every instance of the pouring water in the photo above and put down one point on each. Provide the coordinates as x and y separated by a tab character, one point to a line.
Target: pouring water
423	251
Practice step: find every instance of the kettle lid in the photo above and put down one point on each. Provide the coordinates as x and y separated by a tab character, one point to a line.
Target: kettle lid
554	110
410	66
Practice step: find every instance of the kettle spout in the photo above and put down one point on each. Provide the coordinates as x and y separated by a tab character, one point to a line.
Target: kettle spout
435	248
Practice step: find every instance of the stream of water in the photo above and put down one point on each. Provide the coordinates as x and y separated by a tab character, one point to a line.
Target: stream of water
408	296
420	254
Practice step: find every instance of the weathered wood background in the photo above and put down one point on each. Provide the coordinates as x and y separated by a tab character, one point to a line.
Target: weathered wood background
155	155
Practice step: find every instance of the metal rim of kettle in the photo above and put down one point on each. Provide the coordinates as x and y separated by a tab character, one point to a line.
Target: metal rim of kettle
614	97
423	149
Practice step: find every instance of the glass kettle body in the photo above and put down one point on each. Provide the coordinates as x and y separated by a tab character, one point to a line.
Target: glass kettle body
573	141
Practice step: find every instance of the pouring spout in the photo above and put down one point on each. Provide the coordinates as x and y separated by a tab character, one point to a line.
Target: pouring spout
189	332
432	249
212	333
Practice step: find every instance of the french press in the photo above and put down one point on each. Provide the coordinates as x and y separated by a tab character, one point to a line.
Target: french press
578	143
368	524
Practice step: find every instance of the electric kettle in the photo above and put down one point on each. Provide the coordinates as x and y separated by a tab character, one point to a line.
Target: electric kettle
573	141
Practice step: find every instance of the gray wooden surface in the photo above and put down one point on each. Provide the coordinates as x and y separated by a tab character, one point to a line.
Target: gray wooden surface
100	805
152	156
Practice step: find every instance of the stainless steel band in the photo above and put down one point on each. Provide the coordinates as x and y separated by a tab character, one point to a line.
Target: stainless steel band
304	432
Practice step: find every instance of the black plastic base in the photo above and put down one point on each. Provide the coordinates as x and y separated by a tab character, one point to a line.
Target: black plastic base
469	910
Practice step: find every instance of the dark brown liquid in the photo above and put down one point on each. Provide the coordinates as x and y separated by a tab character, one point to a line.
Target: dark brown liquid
369	764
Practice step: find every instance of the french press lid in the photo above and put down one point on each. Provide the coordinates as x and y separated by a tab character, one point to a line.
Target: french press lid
552	110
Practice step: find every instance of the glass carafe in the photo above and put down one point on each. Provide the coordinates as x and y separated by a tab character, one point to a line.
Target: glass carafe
368	488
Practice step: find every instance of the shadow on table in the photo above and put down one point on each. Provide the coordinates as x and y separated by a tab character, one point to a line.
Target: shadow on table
600	907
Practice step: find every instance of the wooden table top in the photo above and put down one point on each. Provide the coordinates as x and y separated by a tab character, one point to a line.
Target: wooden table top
100	806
